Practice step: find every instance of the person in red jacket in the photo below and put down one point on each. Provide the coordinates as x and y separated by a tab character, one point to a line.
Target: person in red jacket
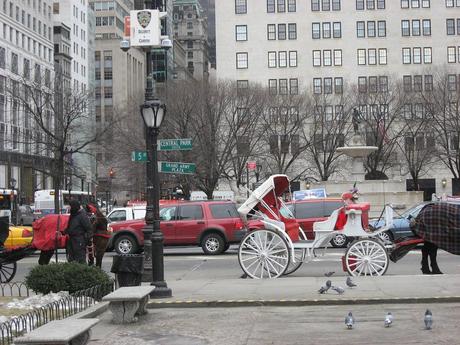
348	198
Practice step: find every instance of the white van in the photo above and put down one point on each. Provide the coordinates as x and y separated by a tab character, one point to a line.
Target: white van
126	213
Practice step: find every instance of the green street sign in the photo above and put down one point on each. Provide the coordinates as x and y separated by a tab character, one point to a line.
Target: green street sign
176	168
139	156
174	144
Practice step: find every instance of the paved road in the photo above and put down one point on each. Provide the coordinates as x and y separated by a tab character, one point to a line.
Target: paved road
284	325
190	263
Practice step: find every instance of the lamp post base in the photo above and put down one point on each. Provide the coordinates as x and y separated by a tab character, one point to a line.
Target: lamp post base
161	291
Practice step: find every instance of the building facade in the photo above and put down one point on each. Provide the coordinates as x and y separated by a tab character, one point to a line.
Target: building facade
26	54
190	28
326	46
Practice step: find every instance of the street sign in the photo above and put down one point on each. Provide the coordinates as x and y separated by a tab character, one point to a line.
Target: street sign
176	168
145	28
139	156
251	165
174	144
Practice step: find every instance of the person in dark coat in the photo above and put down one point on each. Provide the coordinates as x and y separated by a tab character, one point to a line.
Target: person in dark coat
79	231
100	236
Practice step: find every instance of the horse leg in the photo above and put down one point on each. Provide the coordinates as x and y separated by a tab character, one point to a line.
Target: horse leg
433	253
425	253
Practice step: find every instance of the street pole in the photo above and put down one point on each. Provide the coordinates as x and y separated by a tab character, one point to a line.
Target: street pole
247	181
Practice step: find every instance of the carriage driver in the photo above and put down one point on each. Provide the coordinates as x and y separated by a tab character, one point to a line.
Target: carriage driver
348	198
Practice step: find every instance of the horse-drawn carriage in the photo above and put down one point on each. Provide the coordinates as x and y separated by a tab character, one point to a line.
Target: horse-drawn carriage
282	246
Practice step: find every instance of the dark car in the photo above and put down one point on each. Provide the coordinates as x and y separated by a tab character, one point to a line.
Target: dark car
213	225
309	211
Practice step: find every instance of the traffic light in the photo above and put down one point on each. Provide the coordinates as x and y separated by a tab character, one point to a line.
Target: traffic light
111	173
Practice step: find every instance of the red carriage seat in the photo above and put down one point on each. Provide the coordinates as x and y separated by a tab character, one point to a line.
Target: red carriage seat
363	207
291	227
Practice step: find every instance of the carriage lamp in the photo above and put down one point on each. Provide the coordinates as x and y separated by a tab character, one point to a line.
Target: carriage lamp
153	113
444	182
308	185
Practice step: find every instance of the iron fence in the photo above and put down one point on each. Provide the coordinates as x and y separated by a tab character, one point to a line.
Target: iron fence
16	289
57	310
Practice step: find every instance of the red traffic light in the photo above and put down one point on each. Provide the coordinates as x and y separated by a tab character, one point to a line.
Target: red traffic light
111	173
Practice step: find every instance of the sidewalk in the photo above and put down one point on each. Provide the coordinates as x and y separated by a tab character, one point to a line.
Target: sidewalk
290	311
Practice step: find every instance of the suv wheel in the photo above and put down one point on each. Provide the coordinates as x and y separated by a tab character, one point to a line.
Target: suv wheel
213	244
339	241
126	244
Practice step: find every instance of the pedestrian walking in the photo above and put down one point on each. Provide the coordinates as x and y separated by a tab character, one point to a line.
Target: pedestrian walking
79	231
100	236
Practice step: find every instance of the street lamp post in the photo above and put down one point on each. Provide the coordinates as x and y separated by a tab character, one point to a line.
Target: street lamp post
14	211
153	113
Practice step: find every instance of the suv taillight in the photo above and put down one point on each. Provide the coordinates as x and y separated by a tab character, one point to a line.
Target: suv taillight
239	224
109	229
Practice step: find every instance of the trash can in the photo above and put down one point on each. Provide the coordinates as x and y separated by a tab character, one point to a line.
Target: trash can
128	269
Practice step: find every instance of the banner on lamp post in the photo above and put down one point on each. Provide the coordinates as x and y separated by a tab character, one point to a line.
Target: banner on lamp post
146	28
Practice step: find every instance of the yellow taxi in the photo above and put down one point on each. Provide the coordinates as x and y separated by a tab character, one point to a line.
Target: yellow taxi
19	236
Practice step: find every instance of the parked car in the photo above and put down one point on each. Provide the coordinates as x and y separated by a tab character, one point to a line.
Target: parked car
308	212
26	215
213	225
126	213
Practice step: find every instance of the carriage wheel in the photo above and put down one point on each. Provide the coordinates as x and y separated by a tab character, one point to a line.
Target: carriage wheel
263	254
7	271
366	257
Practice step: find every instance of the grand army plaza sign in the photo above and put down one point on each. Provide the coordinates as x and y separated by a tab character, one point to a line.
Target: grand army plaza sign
146	27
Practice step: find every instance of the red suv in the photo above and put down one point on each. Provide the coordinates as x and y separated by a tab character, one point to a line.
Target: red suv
213	225
308	212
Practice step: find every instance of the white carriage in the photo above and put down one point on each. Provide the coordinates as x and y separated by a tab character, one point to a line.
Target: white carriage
282	246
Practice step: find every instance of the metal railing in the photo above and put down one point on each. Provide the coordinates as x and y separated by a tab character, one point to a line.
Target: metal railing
57	310
17	289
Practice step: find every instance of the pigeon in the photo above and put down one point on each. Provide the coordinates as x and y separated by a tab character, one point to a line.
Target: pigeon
323	289
388	319
328	274
349	320
350	283
428	319
340	290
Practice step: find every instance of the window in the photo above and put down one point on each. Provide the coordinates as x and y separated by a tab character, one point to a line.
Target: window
425	3
451	55
407	83
317	86
241	32
415	3
270	6
281	31
241	60
14	63
382	56
337	57
282	59
294	86
241	86
292	31
240	6
326	30
283	86
370	4
361	56
383	83
271	32
417	55
370	29
372	56
418	82
362	84
327	86
428	82
223	211
427	55
360	5
406	55
316	58
336	5
337	29
381	4
373	84
2	57
316	30
426	27
327	58
291	5
293	58
360	29
326	5
452	82
272	86
450	24
281	6
405	27
450	3
190	212
382	28
338	85
315	5
416	27
271	59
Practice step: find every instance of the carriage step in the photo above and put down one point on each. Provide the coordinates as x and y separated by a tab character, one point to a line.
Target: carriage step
303	244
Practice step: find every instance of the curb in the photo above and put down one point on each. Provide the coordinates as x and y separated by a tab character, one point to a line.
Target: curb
92	311
298	302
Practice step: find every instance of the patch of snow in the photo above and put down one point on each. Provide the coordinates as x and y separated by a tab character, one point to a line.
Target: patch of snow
36	301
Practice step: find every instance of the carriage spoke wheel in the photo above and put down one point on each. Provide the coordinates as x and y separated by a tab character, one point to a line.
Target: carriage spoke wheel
7	271
263	254
366	257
